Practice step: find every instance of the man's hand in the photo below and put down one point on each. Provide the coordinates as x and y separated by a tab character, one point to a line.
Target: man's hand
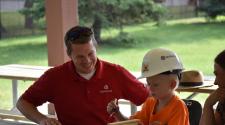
49	121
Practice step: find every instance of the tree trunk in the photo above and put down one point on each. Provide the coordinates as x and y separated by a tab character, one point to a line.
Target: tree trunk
2	29
97	26
29	24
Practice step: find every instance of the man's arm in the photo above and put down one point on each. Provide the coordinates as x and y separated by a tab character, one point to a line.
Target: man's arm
31	112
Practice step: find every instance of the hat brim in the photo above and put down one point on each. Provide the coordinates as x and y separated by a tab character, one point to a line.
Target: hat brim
205	84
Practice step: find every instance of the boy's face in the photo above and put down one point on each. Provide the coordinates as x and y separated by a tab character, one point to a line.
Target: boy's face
160	86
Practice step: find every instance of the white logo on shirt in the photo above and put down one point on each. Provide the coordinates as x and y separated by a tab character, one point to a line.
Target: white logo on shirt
105	89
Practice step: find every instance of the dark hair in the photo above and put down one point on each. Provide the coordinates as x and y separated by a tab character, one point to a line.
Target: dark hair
220	59
78	35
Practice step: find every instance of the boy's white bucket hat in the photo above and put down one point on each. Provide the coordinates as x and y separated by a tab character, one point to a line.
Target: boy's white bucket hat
159	60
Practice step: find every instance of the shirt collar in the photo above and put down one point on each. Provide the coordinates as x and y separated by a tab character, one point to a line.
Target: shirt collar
98	72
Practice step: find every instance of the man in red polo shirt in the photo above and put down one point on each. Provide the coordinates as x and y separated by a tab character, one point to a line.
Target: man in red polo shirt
80	89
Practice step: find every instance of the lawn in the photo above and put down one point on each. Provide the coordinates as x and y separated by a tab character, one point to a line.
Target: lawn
194	40
14	24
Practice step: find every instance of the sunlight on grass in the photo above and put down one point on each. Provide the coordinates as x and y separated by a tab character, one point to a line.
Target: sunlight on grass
185	21
24	50
8	20
23	40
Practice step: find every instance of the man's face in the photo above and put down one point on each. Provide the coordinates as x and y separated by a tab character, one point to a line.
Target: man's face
84	57
220	75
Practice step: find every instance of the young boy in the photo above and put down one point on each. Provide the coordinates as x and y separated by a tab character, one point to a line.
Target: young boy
161	68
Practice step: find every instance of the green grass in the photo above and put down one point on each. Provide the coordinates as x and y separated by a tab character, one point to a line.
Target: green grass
196	43
24	50
194	40
8	20
14	25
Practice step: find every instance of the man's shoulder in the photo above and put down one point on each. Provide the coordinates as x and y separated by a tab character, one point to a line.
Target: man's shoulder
108	68
60	68
110	65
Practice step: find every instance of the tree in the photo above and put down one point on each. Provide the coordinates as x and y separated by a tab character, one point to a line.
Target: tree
102	13
33	11
28	18
213	8
2	29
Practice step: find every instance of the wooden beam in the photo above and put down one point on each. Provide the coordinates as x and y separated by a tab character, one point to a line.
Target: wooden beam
61	15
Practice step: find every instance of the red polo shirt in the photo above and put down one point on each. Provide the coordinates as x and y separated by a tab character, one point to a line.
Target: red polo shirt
83	102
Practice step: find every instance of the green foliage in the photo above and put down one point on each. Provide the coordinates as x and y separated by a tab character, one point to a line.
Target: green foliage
8	20
117	13
36	11
16	27
122	40
120	12
213	8
159	13
105	13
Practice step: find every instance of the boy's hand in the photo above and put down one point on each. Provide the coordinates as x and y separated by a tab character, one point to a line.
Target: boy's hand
112	107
